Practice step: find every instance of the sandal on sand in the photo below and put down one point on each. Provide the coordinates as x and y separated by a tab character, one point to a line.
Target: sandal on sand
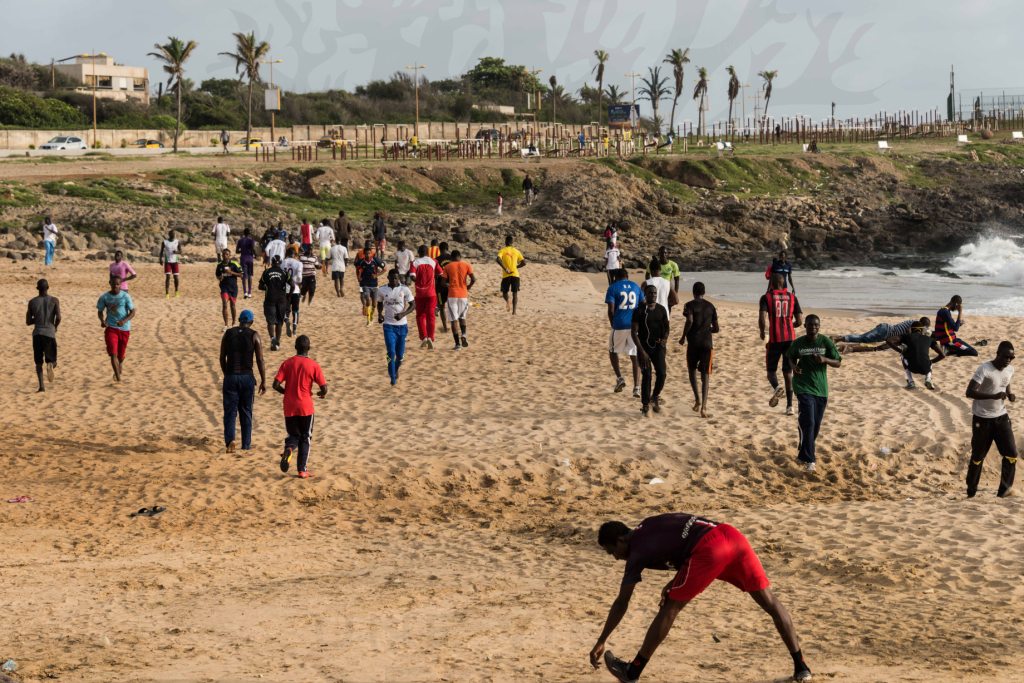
20	499
148	512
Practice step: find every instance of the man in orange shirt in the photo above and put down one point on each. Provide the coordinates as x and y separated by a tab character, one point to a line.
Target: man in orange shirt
460	280
295	380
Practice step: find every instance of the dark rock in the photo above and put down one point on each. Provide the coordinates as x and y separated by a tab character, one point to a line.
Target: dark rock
573	251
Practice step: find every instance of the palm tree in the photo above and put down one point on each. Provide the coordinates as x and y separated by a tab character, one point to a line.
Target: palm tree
554	99
248	54
677	58
602	57
613	94
654	90
734	89
768	77
700	91
174	55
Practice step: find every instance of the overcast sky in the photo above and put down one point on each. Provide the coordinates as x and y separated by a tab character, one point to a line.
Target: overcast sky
865	55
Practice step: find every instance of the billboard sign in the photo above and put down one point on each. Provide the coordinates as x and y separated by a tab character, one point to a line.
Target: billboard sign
272	99
623	115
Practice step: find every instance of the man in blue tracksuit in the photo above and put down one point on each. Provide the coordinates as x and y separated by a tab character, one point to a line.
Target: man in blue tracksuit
394	302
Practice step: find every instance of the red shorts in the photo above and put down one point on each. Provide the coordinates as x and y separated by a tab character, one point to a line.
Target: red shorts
170	268
117	342
227	297
722	554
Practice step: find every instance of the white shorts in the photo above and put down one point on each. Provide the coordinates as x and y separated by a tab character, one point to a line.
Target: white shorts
457	308
221	246
621	342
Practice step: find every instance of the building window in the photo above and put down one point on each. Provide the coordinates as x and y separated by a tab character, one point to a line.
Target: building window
104	82
139	84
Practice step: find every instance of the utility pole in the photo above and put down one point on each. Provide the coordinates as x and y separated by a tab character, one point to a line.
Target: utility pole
415	68
272	62
632	76
536	104
92	58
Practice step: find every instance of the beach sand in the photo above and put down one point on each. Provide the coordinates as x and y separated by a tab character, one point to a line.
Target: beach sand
449	533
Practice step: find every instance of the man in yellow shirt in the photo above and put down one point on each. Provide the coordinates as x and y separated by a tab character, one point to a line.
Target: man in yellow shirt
511	260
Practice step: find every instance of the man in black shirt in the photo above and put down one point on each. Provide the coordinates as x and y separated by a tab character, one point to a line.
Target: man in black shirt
441	283
700	550
701	323
650	335
237	348
277	284
914	347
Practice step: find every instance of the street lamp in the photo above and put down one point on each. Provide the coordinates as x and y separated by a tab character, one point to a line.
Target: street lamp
271	62
632	76
415	68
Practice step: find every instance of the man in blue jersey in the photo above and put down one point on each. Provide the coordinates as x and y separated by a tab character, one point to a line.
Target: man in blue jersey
622	298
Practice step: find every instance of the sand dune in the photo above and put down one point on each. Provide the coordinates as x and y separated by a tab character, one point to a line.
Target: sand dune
449	532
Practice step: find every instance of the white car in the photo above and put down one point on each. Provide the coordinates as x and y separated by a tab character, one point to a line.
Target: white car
65	142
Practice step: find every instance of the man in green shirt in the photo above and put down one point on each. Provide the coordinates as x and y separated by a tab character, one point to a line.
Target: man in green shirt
669	268
811	355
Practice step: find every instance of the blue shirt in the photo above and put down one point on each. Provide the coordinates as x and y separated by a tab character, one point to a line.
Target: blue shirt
118	306
626	295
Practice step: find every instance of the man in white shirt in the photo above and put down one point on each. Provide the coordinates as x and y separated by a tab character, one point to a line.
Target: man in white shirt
169	250
220	235
324	238
338	254
661	284
612	261
293	266
988	388
49	240
394	302
275	247
403	262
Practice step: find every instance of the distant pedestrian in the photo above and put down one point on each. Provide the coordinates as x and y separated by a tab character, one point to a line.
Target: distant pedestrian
338	256
122	269
169	251
324	239
238	347
988	388
224	140
528	189
295	379
380	234
49	240
220	232
404	257
501	201
612	262
293	267
246	249
306	237
227	273
782	266
44	316
342	229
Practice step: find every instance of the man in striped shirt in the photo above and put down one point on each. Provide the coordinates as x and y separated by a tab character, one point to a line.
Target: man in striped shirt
878	333
946	329
779	313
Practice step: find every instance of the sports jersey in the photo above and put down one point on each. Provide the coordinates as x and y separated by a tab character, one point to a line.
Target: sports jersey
782	307
945	326
458	273
298	374
813	376
510	258
228	274
626	295
395	300
170	251
368	269
424	270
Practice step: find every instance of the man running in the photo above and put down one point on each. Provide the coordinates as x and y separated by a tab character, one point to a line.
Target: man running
342	229
914	347
700	551
220	233
169	251
44	315
310	266
394	302
295	379
122	269
988	388
246	249
434	250
443	258
403	261
511	260
115	310
293	267
227	273
306	238
701	323
324	238
369	266
49	240
811	355
338	256
946	329
238	346
779	315
425	271
276	247
650	330
460	278
622	299
278	286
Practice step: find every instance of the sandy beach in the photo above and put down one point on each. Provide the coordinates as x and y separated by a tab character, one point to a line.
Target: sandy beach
449	533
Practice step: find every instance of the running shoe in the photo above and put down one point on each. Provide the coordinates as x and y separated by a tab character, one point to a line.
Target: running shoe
776	395
464	342
177	294
304	475
636	392
618	668
286	458
458	346
620	384
789	410
803	675
930	384
809	467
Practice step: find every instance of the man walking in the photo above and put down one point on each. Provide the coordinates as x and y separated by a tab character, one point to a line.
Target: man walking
394	302
246	249
122	269
403	261
44	316
369	266
701	324
988	389
511	260
295	379
440	253
293	267
306	238
460	278
701	551
310	266
220	233
169	251
622	299
946	329
277	285
338	255
380	233
227	273
650	330
778	318
224	139
528	189
238	346
612	262
425	271
115	310
324	239
49	240
811	355
342	228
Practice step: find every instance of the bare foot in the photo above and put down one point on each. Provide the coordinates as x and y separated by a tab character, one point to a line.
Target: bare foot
705	414
696	406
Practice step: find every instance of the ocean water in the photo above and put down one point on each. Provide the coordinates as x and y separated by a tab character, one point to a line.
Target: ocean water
991	282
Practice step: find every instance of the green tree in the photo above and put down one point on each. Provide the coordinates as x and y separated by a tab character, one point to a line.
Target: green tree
602	57
555	95
613	94
174	54
654	90
734	91
247	55
24	109
768	77
700	91
678	59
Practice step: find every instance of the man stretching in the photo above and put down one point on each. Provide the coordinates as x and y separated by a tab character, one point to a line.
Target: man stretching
701	323
700	551
622	299
989	386
44	316
779	314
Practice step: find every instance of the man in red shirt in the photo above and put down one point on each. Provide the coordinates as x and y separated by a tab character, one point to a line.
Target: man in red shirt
424	271
780	312
295	380
306	236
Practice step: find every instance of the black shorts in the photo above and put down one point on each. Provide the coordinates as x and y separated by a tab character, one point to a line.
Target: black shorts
293	302
308	286
699	358
338	276
773	351
509	284
44	349
985	430
442	293
275	313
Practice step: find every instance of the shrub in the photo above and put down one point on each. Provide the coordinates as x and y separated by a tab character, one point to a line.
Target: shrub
26	110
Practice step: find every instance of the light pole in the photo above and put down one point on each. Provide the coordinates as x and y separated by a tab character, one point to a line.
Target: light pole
632	76
272	62
415	68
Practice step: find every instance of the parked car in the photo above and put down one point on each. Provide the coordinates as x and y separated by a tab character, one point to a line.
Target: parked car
253	142
488	134
142	143
325	142
65	142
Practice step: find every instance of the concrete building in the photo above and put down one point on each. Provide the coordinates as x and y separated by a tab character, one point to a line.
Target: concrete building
113	81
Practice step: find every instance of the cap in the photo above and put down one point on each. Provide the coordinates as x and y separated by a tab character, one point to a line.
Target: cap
246	316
